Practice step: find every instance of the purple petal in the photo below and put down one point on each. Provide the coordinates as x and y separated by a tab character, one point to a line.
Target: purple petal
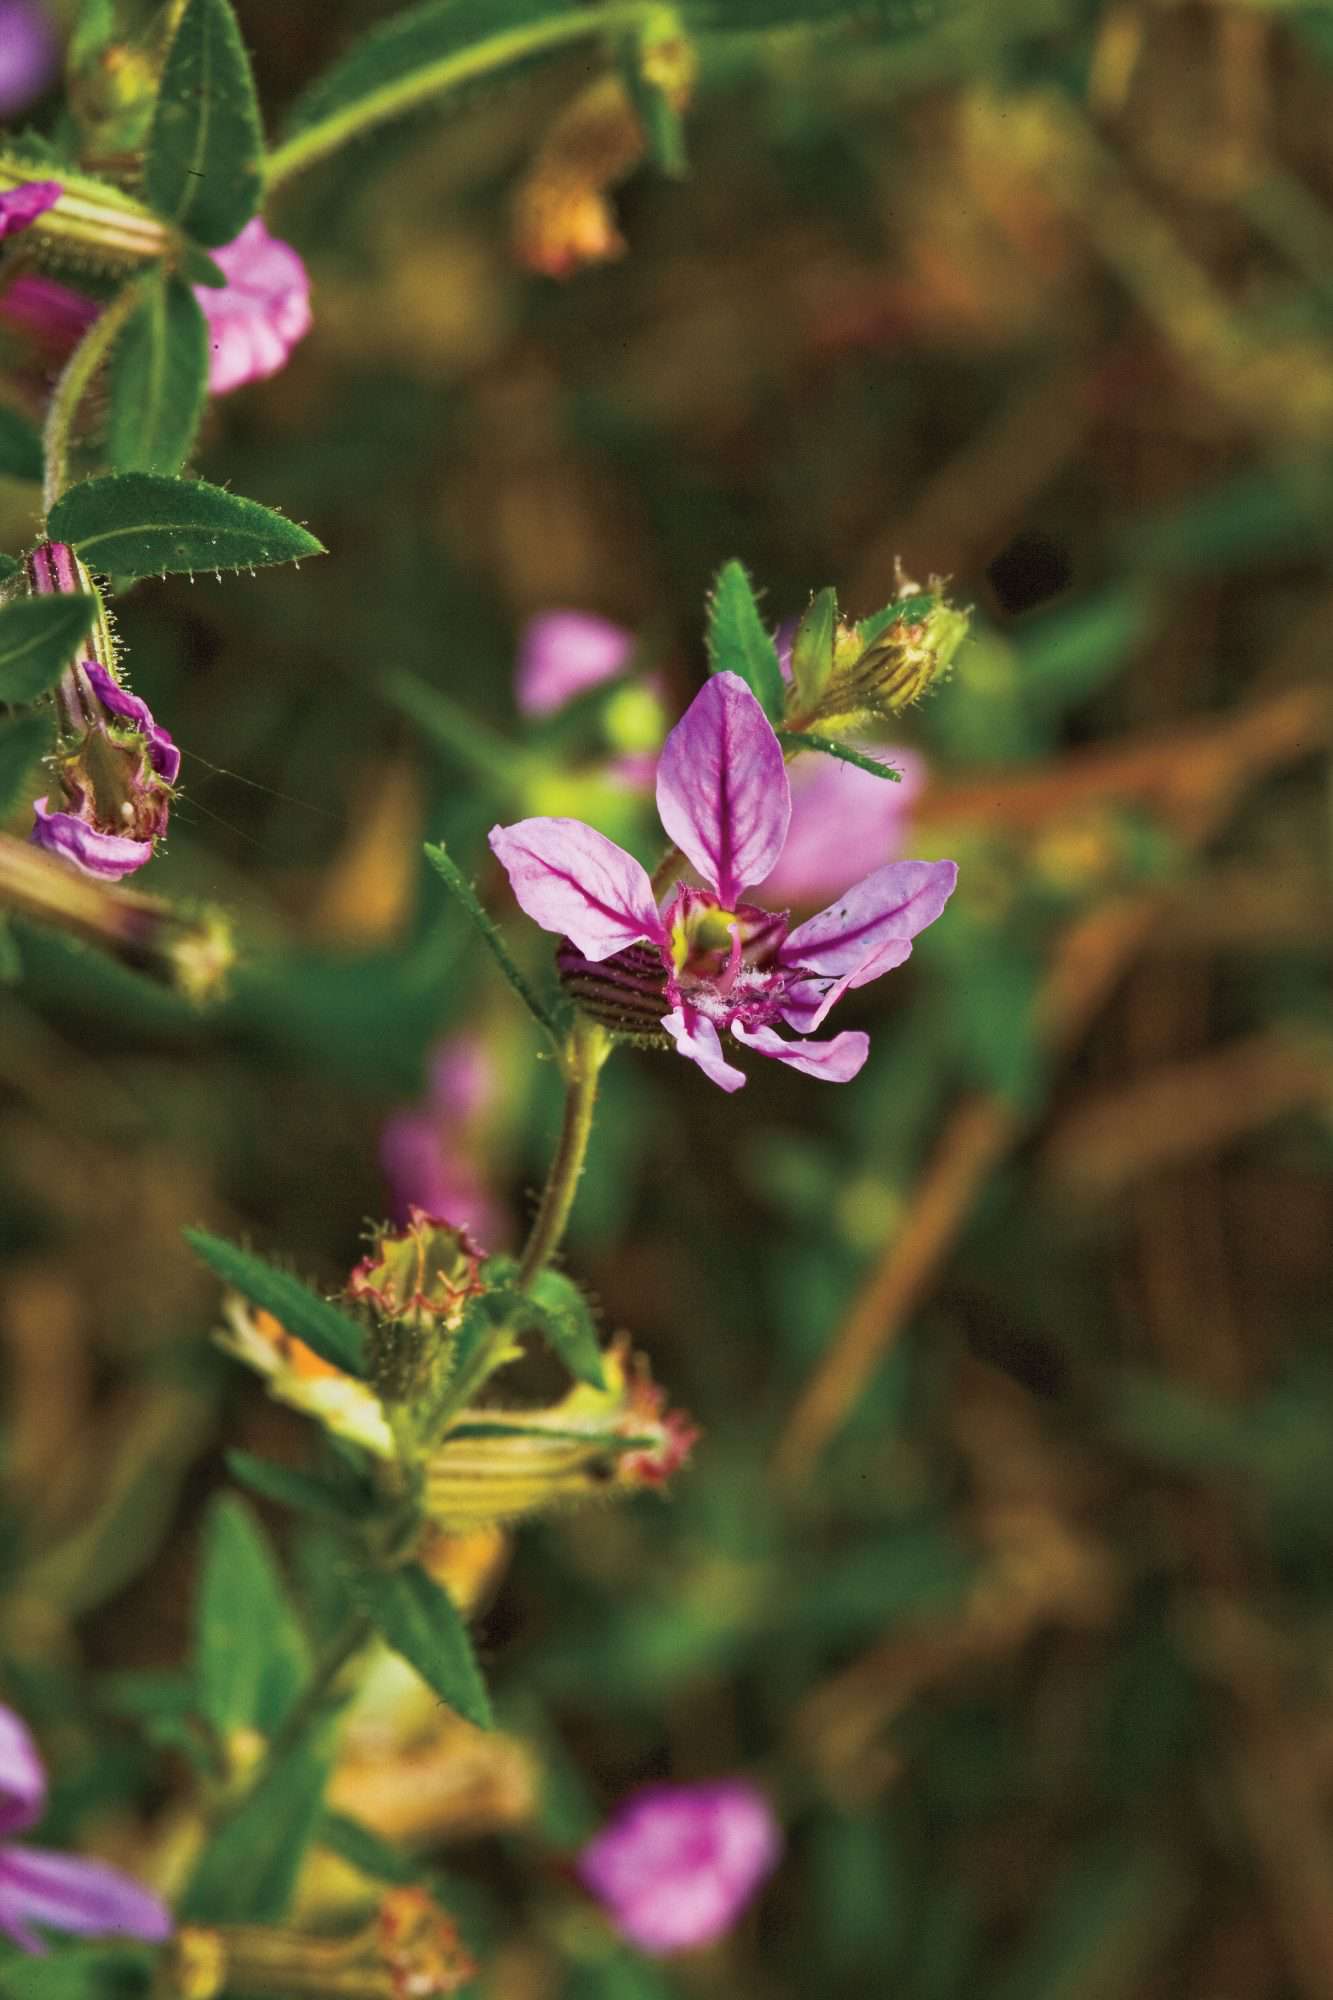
573	880
722	791
48	310
163	755
29	54
257	317
22	1779
861	935
844	823
564	653
697	1039
67	1893
676	1866
807	1003
21	206
109	856
835	1061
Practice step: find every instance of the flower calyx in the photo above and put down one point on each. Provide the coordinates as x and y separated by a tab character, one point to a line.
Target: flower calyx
873	679
415	1282
411	1950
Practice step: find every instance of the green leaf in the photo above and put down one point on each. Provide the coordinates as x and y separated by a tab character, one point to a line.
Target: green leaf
142	524
738	642
247	1872
22	741
250	1658
20	446
564	1317
38	636
9	567
158	379
812	648
365	1851
541	1011
423	53
11	959
204	169
800	739
198	268
912	609
303	1491
419	1619
334	1335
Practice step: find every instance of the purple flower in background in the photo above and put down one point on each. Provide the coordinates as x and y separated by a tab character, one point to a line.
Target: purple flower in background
565	653
427	1151
117	781
21	206
58	1891
49	311
844	822
709	962
29	54
676	1866
257	317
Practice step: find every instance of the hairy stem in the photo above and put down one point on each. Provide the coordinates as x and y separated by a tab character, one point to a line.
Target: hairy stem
73	385
586	1051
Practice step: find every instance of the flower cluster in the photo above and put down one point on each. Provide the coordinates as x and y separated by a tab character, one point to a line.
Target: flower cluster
707	962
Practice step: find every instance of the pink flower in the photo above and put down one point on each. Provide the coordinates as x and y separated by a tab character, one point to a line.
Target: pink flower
117	780
257	317
565	653
58	1891
21	206
844	822
709	963
29	54
428	1152
676	1866
50	312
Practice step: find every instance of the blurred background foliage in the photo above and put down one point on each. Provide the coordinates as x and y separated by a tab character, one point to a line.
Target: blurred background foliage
1005	1559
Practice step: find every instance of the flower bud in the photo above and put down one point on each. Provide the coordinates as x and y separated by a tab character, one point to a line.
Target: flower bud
411	1948
79	221
876	682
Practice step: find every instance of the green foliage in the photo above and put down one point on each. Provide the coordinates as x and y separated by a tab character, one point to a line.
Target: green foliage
334	1335
417	1618
78	1972
20	446
738	642
812	647
829	746
551	1018
250	1655
158	380
142	524
556	1308
1103	1923
23	739
204	168
38	636
340	1502
248	1870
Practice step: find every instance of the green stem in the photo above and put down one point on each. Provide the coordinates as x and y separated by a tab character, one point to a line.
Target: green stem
460	66
345	1643
587	1049
75	380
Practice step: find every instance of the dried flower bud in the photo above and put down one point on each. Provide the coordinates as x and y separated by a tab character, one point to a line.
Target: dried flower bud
424	1273
294	1374
410	1951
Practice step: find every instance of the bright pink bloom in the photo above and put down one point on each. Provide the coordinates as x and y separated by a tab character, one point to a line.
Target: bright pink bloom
427	1152
257	317
709	962
565	653
677	1865
21	206
58	1891
29	54
116	780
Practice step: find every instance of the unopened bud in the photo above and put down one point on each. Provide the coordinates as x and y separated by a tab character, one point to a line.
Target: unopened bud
876	682
90	225
411	1951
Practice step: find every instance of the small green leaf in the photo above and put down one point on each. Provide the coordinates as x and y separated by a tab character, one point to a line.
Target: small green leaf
142	524
910	608
251	1660
419	1619
204	168
247	1872
158	379
22	741
541	1011
303	1491
565	1319
828	746
38	636
11	959
335	1337
20	446
738	642
9	567
198	268
812	648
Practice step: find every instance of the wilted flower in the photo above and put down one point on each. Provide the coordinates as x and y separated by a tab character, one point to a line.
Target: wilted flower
62	1892
20	206
428	1151
677	1864
410	1950
257	317
117	780
707	961
29	54
294	1374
